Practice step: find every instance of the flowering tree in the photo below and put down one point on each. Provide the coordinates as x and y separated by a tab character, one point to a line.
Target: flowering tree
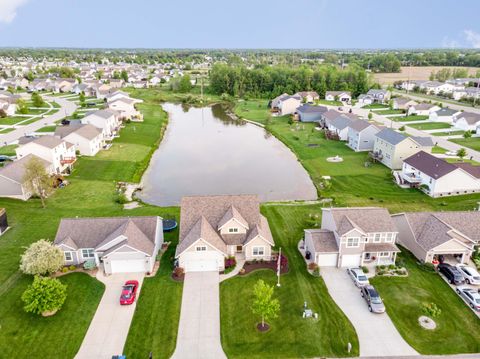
41	258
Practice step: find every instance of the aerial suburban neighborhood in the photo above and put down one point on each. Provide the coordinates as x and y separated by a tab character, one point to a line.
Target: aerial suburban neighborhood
201	188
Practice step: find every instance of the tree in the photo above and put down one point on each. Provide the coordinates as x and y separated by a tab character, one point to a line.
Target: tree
37	100
370	115
22	107
81	98
44	296
467	134
263	304
36	179
41	258
3	113
461	153
184	84
124	75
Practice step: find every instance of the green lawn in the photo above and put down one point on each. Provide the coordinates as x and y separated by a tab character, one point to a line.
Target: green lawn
290	335
430	125
409	118
438	149
328	103
8	150
12	120
47	129
90	193
256	109
26	335
472	142
451	133
376	106
7	130
458	329
155	324
389	112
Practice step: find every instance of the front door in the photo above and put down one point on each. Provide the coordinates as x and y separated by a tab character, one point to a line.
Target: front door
239	249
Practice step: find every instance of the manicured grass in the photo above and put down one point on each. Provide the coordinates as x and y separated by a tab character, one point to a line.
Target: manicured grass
458	329
409	118
47	129
438	149
26	335
328	103
430	125
7	130
389	112
33	111
376	106
8	150
472	142
12	120
155	324
90	194
451	133
290	336
257	109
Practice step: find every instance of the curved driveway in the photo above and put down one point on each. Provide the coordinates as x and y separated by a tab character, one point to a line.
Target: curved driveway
66	109
376	333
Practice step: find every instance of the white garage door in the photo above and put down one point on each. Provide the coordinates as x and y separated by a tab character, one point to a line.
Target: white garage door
201	261
328	260
128	265
351	260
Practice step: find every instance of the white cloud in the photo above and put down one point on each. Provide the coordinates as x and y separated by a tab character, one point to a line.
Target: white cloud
449	43
472	38
8	9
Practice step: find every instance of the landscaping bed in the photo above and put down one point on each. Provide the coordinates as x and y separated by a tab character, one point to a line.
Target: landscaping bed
256	265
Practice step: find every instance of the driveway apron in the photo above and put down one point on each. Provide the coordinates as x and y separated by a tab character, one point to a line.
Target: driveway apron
376	333
199	328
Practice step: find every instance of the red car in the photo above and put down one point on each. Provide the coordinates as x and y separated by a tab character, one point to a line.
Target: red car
129	292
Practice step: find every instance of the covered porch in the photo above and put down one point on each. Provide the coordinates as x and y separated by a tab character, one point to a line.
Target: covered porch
377	254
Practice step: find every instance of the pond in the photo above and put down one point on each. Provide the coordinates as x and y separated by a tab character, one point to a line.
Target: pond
205	152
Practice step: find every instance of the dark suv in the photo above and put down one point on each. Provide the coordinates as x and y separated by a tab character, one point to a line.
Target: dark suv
451	273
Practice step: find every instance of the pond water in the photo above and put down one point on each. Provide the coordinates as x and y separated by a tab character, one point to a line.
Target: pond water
205	152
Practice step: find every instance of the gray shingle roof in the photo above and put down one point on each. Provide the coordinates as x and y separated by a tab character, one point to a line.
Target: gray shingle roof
446	112
360	125
312	109
390	136
16	170
424	141
323	240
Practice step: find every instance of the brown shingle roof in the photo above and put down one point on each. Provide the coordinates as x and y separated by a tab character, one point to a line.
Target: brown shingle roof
323	240
381	247
366	219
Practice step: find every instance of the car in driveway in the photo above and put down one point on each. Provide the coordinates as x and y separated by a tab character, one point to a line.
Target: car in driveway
129	292
371	296
471	296
470	274
452	274
359	278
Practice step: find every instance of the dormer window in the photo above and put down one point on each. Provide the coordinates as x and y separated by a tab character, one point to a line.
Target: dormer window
233	230
201	248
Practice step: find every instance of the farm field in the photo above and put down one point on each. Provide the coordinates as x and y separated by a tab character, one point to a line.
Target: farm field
415	73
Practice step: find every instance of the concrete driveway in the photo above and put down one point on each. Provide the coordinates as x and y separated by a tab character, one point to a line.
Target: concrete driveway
376	333
108	330
199	328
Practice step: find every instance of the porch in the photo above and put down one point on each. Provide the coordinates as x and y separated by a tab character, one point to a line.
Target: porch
379	254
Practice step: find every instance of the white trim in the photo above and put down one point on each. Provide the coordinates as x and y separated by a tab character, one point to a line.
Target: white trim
352	246
65	245
87	249
258	247
191	245
114	239
126	245
233	219
261	237
450	250
65	257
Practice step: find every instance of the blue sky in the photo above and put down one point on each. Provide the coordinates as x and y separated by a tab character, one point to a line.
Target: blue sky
240	23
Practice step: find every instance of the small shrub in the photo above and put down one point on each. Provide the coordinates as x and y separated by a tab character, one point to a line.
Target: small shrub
89	265
120	198
391	266
64	269
431	310
72	267
316	272
365	269
402	128
312	266
429	267
230	262
178	271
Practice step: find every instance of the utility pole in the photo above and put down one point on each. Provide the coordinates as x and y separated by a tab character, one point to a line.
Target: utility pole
201	87
475	95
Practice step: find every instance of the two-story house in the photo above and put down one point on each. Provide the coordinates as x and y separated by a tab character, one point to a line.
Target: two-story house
392	147
361	135
213	228
59	153
119	244
87	139
105	120
125	107
352	237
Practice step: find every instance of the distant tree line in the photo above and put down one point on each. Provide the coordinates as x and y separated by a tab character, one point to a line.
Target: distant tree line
271	81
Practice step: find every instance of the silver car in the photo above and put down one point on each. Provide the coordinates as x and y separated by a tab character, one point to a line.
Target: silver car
471	296
371	296
470	274
358	277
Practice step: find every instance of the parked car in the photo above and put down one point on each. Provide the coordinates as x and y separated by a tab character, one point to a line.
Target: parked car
371	296
472	296
470	274
129	292
452	274
358	277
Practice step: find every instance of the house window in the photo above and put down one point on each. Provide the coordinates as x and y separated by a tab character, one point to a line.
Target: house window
389	237
233	230
353	242
68	256
201	248
258	251
88	253
384	254
377	238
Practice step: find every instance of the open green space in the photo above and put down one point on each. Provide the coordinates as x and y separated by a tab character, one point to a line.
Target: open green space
430	125
408	118
458	328
448	133
290	335
328	103
472	142
253	109
376	106
26	335
389	112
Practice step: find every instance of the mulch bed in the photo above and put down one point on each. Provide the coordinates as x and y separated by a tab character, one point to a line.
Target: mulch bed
178	278
253	266
265	328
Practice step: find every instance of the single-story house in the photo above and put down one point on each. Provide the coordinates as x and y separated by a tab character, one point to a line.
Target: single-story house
12	184
3	221
352	237
438	177
445	114
342	96
431	234
422	109
119	244
308	96
213	228
467	121
310	113
402	103
361	135
365	100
